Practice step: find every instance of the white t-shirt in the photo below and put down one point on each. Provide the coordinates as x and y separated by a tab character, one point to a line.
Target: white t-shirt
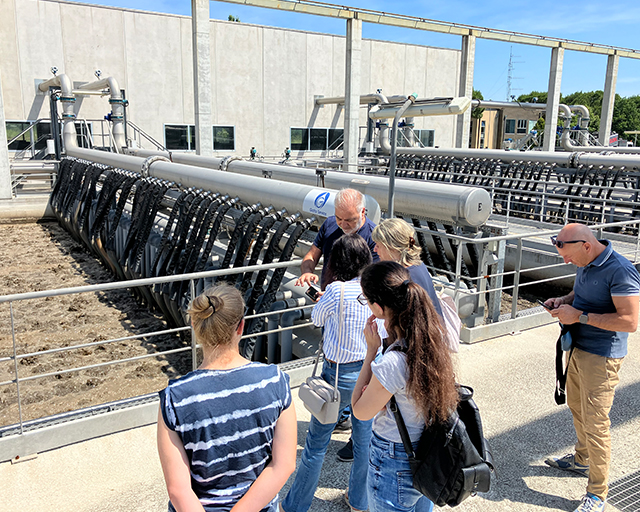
392	372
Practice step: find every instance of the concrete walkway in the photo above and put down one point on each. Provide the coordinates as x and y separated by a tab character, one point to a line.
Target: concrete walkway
513	378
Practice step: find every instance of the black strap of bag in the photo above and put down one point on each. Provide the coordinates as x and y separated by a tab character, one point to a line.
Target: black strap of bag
404	433
560	393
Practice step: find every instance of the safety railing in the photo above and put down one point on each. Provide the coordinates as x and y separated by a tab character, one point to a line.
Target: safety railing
502	258
137	135
16	356
36	141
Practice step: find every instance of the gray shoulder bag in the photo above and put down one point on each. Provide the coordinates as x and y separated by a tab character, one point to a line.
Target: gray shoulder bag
319	397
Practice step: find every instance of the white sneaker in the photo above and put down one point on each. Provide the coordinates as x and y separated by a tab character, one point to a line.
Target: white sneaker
590	503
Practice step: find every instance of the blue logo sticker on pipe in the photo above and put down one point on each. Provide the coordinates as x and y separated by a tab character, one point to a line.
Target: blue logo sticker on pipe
319	202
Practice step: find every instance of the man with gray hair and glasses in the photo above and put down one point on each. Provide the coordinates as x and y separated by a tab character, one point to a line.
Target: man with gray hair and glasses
600	311
349	218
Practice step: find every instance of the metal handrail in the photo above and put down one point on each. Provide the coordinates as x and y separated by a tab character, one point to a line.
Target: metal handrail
141	132
119	285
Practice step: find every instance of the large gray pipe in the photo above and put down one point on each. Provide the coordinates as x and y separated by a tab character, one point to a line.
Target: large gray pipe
117	108
468	206
365	99
452	106
67	98
313	201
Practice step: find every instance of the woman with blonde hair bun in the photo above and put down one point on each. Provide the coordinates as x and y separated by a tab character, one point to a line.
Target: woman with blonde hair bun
396	241
226	431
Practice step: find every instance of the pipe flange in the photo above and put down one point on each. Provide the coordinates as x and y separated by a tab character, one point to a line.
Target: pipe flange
146	165
227	160
574	159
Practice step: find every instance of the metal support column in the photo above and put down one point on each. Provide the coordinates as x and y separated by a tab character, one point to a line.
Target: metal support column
467	61
202	76
553	99
608	99
5	170
352	94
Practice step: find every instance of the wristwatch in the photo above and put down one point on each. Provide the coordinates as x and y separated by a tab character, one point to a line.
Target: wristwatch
584	318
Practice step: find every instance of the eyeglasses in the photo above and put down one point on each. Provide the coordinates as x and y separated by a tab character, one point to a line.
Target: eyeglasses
363	300
561	243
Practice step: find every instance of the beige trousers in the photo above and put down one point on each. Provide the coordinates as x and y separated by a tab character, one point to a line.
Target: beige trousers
591	383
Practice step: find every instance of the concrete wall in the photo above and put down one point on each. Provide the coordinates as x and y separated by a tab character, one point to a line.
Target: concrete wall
263	79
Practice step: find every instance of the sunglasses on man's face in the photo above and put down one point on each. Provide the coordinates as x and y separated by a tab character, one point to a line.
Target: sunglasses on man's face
561	243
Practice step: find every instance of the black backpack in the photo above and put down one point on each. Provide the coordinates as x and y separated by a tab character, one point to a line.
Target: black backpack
453	460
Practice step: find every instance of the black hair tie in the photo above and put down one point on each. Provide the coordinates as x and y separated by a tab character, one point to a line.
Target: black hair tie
211	304
406	282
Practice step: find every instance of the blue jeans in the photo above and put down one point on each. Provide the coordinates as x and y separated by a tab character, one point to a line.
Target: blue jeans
390	482
318	437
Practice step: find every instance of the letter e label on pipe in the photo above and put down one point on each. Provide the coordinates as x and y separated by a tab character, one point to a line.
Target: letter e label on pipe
319	202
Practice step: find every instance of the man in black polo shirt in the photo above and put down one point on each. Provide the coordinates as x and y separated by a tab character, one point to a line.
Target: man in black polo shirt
349	218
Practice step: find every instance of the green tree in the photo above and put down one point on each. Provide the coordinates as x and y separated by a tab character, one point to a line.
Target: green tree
626	114
233	18
533	97
477	112
593	101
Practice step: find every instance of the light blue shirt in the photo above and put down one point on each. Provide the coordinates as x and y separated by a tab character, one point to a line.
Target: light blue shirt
351	346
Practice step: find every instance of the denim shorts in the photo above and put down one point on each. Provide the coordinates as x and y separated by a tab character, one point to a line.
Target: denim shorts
390	481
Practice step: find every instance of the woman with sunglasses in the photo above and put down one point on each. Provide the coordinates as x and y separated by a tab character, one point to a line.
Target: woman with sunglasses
415	368
344	350
226	431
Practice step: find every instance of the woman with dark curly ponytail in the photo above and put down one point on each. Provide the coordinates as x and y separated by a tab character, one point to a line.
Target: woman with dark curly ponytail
415	367
226	431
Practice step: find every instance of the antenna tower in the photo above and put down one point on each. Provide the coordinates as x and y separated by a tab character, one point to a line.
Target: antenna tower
510	76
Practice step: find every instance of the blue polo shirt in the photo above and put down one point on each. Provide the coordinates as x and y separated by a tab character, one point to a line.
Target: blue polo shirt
420	275
609	275
330	231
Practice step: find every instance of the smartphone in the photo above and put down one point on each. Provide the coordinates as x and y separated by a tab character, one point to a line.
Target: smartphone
544	305
312	292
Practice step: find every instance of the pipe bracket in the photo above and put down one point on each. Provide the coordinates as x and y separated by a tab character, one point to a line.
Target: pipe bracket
146	165
227	160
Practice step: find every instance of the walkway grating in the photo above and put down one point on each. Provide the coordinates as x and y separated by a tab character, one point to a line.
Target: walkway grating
624	493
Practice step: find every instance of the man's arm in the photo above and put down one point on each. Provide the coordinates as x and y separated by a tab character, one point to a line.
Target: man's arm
625	318
308	265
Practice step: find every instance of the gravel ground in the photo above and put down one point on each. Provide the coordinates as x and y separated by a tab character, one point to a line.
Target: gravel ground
43	256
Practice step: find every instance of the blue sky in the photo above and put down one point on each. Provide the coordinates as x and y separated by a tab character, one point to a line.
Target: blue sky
582	21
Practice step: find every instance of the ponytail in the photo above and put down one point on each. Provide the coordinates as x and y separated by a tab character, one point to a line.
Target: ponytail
431	382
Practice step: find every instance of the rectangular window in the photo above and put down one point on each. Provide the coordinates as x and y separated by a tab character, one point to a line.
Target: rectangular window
427	138
318	139
178	137
522	126
43	132
14	128
509	126
84	131
223	138
336	137
299	139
